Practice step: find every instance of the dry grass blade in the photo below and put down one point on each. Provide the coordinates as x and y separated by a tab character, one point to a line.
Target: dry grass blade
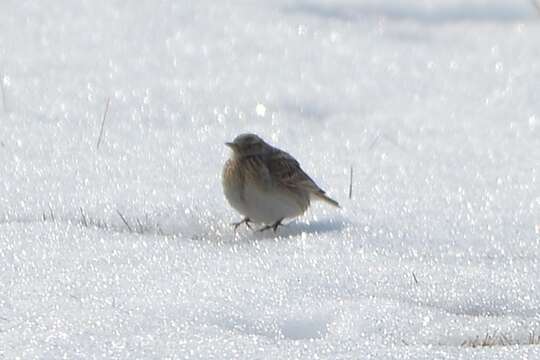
496	339
140	226
84	221
124	220
103	122
387	138
374	142
51	213
534	339
414	278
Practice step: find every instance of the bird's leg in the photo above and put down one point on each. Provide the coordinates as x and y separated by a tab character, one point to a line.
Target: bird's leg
246	221
274	226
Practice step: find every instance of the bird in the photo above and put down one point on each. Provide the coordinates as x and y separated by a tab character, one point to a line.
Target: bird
267	185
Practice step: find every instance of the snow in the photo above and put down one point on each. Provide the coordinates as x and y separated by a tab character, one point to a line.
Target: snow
433	103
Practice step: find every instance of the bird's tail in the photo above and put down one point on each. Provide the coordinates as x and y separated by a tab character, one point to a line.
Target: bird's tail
322	196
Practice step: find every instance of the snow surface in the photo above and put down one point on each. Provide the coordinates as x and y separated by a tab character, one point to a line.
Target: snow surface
434	103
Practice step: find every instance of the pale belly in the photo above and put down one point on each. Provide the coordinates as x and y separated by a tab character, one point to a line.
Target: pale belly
265	207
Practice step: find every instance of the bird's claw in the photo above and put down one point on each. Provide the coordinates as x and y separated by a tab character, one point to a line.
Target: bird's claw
244	221
273	226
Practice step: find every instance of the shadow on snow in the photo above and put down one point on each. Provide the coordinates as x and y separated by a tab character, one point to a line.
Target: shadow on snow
437	15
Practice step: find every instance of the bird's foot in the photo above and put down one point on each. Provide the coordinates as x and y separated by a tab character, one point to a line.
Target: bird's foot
246	221
274	226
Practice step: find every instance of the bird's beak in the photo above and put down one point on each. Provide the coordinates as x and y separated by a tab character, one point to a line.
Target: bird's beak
231	145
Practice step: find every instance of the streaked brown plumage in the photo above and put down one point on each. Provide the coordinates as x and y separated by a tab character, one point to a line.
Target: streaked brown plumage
266	184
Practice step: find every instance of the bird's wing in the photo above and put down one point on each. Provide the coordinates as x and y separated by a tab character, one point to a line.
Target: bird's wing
256	171
286	171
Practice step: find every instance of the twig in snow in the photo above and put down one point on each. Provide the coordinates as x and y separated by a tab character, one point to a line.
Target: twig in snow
124	220
103	122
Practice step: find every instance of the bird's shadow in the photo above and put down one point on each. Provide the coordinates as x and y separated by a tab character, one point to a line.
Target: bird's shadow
294	228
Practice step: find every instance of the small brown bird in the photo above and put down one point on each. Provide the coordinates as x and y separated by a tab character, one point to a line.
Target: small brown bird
266	184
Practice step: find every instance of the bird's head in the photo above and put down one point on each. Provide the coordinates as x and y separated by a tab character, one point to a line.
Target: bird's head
248	145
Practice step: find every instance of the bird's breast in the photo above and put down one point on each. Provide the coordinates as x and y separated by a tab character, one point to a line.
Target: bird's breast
233	181
248	189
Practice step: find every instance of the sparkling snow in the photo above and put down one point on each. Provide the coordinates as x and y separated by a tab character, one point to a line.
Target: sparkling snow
126	251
